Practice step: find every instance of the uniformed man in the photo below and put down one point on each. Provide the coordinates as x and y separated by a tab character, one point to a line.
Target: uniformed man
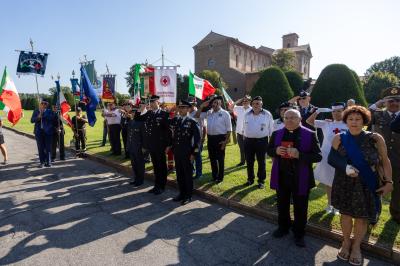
380	123
219	128
395	125
185	144
79	129
157	137
43	119
257	128
134	145
58	136
113	116
279	123
198	162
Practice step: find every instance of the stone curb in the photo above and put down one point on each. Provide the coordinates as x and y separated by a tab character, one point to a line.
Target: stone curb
335	236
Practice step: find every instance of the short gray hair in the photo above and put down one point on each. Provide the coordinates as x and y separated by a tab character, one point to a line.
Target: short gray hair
294	111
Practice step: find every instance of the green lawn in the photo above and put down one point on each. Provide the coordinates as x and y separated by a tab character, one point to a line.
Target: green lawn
386	232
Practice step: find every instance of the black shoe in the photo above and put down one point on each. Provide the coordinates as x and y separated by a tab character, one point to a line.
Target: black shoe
137	184
186	201
53	160
217	181
177	198
261	186
152	190
158	191
62	159
132	183
249	183
299	241
280	232
47	165
240	164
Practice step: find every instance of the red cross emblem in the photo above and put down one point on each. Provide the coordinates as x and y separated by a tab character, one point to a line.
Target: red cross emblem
336	131
164	80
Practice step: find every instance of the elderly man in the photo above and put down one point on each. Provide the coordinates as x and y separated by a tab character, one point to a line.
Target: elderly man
219	128
258	126
380	123
43	119
294	149
240	111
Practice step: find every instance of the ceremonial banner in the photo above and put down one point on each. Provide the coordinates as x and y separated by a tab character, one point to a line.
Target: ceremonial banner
32	63
108	88
147	81
91	97
165	84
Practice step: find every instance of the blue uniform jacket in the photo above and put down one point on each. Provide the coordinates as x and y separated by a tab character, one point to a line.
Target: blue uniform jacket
46	123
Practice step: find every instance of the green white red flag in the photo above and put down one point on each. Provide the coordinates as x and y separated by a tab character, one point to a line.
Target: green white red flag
9	99
200	88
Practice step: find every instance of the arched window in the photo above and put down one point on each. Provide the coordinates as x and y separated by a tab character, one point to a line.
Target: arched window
211	62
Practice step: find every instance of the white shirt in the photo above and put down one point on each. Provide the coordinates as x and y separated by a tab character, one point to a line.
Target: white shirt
240	111
258	126
278	124
218	123
199	120
329	130
115	117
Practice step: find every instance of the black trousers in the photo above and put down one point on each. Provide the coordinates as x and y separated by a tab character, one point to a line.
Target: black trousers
300	206
80	141
241	144
58	139
256	148
217	156
159	161
184	172
137	162
115	138
124	133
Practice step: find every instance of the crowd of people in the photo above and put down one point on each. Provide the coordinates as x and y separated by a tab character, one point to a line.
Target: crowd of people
355	150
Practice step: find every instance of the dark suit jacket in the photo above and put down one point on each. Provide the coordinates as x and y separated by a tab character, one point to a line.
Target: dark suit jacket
46	123
395	125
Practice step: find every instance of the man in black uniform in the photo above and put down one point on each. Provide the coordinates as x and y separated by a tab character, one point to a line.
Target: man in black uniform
79	128
134	145
157	137
58	136
185	145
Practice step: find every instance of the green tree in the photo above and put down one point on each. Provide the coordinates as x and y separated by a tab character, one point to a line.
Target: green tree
121	98
295	81
336	83
360	87
182	84
273	87
391	65
214	77
376	83
284	59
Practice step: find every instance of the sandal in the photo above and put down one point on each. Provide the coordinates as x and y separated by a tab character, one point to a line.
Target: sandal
343	255
356	260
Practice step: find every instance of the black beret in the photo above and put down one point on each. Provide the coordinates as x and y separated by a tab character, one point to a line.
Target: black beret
286	105
304	94
216	97
184	103
257	98
154	98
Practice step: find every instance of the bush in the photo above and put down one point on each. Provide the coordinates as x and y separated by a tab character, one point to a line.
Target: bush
360	87
273	87
295	81
377	82
336	83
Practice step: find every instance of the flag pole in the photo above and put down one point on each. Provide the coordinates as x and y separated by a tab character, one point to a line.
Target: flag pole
37	84
76	119
58	114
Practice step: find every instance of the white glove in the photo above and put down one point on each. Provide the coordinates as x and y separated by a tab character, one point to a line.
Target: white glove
323	110
350	170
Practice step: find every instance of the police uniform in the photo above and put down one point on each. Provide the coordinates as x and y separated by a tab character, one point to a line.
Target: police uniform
157	137
256	130
185	143
218	126
125	119
134	146
43	131
380	123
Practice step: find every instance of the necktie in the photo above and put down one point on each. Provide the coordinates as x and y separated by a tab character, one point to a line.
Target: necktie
393	116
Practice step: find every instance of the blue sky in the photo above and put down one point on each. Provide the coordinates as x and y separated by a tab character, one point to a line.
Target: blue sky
121	32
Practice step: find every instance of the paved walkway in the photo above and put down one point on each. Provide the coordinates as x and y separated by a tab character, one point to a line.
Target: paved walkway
82	213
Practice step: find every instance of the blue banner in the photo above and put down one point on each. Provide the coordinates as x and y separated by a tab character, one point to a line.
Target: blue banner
91	97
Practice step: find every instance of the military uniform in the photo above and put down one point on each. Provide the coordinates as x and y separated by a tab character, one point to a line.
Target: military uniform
134	145
380	123
58	138
156	140
185	143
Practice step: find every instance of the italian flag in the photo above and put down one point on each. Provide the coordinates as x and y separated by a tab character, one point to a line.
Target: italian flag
64	107
200	88
228	98
9	99
137	83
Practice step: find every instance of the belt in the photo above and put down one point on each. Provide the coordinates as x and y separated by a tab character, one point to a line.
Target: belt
263	138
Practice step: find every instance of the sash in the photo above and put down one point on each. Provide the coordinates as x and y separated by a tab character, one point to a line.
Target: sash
303	167
368	177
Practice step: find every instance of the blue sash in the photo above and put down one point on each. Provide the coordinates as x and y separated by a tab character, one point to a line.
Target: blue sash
368	177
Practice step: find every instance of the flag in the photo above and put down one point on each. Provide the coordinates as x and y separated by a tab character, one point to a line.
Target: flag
91	96
200	88
227	98
76	90
31	63
63	106
147	81
9	99
108	91
165	84
137	83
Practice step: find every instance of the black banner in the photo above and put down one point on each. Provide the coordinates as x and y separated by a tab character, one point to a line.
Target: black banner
32	63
